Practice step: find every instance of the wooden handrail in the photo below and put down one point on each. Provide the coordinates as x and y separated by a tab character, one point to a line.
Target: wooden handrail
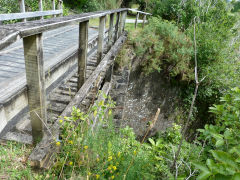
31	32
12	16
141	12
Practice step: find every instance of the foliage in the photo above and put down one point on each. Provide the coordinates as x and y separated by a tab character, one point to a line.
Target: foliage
165	49
93	5
223	140
100	153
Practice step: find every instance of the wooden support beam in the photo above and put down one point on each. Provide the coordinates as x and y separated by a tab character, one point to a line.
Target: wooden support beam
53	7
60	7
144	20
22	8
136	22
117	27
40	7
101	33
35	76
110	31
123	21
120	24
82	52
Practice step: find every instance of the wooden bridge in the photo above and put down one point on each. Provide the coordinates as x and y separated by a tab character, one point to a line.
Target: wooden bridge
49	65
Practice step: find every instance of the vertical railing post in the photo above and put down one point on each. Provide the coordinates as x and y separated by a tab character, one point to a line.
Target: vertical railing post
136	22
123	20
60	6
53	7
40	6
82	52
110	31
117	26
101	34
144	20
22	8
120	24
33	54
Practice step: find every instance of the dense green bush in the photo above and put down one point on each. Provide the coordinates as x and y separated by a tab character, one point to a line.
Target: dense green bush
164	48
93	5
222	149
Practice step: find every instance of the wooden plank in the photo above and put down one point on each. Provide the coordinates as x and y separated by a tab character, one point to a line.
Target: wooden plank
144	20
53	7
101	34
10	32
141	12
40	7
136	22
122	23
110	32
60	7
12	16
22	8
36	84
82	52
117	26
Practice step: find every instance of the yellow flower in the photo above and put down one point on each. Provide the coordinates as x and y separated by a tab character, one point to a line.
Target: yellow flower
98	159
119	154
109	168
70	142
58	143
86	147
109	158
97	176
112	177
89	173
114	168
134	152
70	163
60	121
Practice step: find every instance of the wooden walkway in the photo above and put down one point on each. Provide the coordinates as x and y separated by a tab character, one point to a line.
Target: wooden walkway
55	42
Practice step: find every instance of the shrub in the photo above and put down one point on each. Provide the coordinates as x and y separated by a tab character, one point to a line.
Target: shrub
223	150
165	48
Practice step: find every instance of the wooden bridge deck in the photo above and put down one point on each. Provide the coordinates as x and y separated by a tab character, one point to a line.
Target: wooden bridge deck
55	42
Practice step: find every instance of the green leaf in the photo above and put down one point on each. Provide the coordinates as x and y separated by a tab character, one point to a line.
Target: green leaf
204	175
202	167
236	176
219	143
152	141
224	158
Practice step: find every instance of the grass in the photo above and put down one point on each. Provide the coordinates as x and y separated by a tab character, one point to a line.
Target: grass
13	161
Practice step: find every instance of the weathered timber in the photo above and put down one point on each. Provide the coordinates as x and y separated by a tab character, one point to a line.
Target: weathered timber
36	84
22	8
119	31
110	32
136	22
117	26
60	6
40	7
101	38
123	20
9	33
82	52
53	7
46	148
5	17
144	20
106	88
141	12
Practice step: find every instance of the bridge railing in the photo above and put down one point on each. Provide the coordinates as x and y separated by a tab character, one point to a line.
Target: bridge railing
32	31
24	15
